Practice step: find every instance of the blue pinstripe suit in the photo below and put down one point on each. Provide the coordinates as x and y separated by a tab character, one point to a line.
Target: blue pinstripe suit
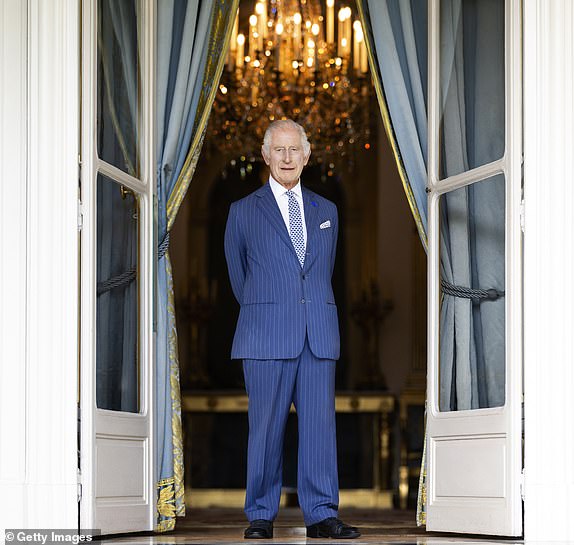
288	337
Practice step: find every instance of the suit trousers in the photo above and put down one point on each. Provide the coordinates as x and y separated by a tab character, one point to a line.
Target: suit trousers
272	385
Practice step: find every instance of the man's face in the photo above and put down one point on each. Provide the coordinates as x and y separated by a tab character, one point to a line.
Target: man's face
286	157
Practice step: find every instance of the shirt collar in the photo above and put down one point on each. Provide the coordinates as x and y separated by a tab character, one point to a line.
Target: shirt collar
279	190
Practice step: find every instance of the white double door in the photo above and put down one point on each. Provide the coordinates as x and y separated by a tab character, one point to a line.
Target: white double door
474	448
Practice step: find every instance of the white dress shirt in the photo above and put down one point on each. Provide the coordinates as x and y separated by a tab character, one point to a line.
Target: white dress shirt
282	199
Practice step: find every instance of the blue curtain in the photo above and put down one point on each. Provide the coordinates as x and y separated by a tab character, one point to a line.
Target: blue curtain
192	41
117	209
396	34
472	330
193	37
116	307
119	81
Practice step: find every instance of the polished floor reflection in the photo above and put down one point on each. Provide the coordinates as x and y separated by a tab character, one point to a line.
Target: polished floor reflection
225	526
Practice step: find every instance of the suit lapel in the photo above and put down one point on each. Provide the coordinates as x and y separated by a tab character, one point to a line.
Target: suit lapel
268	205
311	222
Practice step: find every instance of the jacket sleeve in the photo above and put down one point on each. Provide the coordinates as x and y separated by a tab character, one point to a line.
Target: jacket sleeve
235	253
335	236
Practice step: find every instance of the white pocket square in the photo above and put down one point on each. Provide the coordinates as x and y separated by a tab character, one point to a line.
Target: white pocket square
325	224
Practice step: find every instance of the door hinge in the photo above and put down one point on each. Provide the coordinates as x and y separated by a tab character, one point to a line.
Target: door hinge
79	486
522	485
522	215
80	215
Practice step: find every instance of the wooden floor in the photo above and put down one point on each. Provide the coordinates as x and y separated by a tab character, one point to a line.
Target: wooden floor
225	526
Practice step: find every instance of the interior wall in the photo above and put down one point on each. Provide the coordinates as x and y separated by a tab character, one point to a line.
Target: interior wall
189	248
398	244
548	270
360	235
39	127
13	161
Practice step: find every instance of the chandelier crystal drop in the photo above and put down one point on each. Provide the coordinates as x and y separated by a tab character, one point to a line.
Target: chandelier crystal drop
292	60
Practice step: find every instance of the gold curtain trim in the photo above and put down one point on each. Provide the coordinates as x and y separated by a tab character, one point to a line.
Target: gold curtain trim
165	505
176	427
166	525
422	494
180	189
389	127
170	500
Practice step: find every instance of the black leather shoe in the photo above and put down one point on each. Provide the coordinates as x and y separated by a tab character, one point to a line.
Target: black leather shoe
259	529
333	527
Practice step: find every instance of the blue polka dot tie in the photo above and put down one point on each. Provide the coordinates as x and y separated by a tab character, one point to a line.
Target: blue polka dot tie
296	227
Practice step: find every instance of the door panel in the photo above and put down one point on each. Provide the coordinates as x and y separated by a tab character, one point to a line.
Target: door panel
120	465
474	268
117	456
470	468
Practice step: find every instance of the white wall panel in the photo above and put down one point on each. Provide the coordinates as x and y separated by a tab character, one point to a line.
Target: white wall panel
52	329
39	74
549	269
13	135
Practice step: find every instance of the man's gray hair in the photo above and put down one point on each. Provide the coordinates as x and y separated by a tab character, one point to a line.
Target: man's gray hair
285	124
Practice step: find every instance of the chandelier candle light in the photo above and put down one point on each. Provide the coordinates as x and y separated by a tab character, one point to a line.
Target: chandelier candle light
288	61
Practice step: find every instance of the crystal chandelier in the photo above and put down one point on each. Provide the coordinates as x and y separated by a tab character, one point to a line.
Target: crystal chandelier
292	60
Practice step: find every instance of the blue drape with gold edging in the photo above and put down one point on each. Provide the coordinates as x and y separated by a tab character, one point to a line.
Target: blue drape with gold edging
398	63
192	41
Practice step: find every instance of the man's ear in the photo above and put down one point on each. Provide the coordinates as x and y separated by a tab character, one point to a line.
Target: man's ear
265	156
306	158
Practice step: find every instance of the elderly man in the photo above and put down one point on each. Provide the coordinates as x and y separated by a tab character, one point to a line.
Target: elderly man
280	245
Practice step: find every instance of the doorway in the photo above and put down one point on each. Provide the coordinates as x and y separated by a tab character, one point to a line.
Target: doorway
380	288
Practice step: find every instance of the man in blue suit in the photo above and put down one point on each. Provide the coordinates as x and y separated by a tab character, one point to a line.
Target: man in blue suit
280	245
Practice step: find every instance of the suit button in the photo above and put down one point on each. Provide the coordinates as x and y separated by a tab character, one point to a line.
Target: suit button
302	301
303	276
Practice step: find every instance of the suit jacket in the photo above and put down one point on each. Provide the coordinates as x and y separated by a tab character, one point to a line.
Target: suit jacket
280	301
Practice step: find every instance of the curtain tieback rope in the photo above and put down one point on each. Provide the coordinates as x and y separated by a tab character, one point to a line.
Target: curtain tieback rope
469	293
125	278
